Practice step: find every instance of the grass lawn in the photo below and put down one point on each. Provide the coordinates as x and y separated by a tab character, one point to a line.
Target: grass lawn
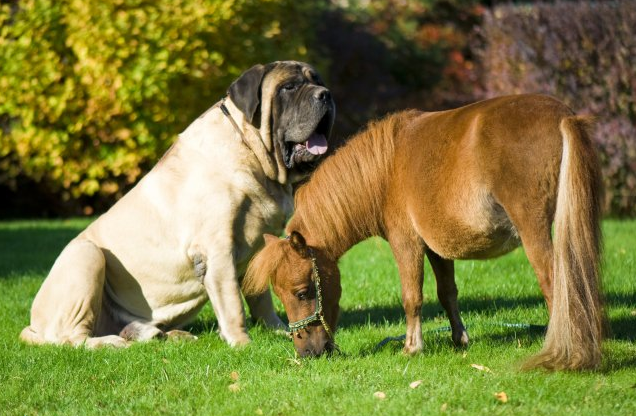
265	378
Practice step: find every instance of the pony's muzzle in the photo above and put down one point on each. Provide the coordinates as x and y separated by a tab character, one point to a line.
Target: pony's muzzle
311	351
313	342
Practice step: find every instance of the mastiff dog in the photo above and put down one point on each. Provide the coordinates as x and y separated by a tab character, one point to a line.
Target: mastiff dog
186	231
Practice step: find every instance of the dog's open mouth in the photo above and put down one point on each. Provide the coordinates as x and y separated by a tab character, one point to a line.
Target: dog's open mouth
311	149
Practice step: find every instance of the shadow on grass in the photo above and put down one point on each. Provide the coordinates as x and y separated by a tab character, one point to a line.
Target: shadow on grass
32	249
394	314
622	328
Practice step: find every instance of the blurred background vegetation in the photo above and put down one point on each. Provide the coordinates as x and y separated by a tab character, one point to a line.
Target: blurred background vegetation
93	92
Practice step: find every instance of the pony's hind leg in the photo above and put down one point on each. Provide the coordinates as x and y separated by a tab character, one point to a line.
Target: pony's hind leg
534	232
444	271
409	256
538	248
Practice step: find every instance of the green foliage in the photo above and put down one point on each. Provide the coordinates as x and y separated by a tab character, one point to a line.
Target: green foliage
193	378
93	92
388	55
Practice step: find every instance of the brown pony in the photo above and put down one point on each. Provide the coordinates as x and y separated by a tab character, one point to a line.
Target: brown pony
469	183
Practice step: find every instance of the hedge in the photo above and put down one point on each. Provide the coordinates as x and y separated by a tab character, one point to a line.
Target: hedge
387	55
93	92
583	53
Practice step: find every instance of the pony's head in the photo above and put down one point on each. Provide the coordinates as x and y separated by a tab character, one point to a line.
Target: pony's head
308	285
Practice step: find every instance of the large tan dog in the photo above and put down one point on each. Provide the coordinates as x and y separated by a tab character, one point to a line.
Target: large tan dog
185	232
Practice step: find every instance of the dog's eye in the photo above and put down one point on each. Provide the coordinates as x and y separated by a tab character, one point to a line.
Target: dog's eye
291	86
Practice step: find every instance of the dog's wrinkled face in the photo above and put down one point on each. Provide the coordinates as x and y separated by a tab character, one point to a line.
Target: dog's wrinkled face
292	100
303	114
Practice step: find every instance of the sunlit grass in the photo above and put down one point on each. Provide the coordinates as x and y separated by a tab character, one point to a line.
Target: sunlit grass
195	377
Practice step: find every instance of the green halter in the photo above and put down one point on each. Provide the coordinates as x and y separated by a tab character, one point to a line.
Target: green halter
318	315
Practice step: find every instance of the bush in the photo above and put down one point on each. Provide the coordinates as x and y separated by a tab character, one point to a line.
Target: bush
583	53
93	92
388	55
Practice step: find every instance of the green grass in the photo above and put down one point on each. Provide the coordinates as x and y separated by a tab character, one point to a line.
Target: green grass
194	377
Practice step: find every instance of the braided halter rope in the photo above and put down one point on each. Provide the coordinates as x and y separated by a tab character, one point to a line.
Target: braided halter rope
318	315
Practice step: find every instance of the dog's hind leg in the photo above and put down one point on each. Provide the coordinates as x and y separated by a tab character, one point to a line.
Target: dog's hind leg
141	331
444	271
67	306
262	310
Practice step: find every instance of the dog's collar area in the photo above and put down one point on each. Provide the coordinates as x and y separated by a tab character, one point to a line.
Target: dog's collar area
228	115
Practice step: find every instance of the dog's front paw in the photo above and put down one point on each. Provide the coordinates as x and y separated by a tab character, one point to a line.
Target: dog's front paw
113	341
235	340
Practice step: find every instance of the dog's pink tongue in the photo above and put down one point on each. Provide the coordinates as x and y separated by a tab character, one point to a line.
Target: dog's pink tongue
317	144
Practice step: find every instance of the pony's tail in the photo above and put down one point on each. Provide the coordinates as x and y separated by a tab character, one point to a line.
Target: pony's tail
573	339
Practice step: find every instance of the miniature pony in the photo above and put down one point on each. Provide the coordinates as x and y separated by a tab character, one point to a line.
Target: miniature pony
469	183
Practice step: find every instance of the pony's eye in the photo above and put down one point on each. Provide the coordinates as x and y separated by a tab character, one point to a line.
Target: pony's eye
302	295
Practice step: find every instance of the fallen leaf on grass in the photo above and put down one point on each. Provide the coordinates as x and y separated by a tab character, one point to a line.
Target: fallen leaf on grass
234	375
502	396
259	411
481	368
379	395
415	384
295	361
443	407
234	387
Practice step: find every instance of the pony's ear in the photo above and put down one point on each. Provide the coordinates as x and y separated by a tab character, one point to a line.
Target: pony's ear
245	92
269	239
298	243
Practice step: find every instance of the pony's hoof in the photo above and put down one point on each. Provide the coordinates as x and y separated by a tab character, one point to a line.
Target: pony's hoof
461	341
412	350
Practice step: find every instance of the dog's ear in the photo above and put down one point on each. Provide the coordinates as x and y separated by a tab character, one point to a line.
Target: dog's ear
298	243
245	92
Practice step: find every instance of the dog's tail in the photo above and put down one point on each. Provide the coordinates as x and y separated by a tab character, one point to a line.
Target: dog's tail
573	339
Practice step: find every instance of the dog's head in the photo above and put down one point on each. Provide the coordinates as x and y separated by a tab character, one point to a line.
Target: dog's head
291	107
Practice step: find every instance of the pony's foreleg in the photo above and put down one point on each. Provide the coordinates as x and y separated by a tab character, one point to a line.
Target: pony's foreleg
409	256
447	294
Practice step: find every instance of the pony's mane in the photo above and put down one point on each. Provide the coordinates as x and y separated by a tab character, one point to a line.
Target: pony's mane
342	202
262	266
